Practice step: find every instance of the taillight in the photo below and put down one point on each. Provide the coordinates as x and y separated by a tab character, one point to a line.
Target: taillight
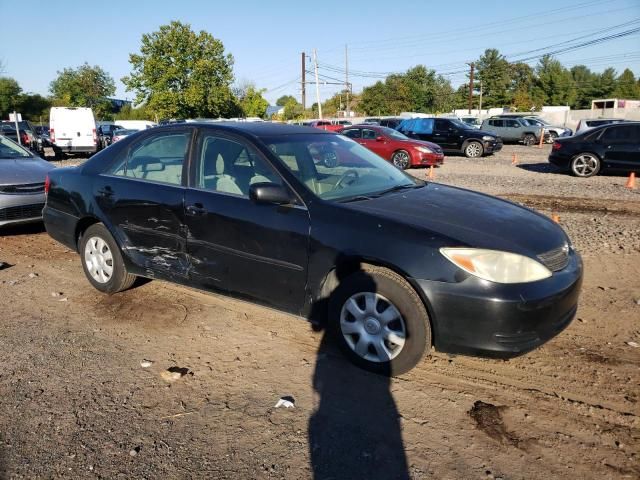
556	146
47	184
52	135
24	138
95	138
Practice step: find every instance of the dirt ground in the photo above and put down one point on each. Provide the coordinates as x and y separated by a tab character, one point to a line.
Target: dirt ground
75	401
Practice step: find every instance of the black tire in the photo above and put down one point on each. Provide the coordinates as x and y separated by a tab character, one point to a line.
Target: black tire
473	150
119	279
585	165
529	139
401	159
399	294
553	136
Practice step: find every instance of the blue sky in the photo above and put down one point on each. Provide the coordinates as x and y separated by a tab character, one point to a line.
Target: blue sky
266	37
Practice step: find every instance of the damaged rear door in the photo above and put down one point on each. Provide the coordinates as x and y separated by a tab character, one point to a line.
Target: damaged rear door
142	197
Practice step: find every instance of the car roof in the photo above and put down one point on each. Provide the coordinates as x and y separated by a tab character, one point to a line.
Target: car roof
258	129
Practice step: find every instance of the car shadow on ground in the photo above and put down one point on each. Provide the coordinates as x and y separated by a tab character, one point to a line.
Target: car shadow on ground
22	229
541	168
355	430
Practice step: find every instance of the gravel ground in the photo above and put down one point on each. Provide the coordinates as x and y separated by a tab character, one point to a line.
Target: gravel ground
162	381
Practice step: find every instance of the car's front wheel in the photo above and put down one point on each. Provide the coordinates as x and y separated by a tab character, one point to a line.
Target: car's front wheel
379	321
473	150
401	159
585	165
102	261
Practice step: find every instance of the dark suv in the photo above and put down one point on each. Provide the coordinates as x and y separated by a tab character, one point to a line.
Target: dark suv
105	134
452	135
610	147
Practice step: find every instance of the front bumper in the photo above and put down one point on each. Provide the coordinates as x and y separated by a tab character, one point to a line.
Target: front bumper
492	147
15	209
483	318
430	159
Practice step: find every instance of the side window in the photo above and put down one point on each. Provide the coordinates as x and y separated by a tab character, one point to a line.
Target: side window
231	167
157	158
620	134
423	125
369	134
511	123
441	125
353	133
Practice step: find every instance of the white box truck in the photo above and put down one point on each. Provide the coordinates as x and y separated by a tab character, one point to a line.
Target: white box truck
73	130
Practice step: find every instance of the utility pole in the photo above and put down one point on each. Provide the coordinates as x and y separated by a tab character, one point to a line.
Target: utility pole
346	70
472	65
480	106
315	62
304	91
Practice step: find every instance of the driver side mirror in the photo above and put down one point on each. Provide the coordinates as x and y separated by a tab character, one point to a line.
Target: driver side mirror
266	192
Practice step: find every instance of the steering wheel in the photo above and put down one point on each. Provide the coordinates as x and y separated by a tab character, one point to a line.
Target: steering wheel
348	173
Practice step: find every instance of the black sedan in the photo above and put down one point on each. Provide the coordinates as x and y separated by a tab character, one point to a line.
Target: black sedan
614	147
393	264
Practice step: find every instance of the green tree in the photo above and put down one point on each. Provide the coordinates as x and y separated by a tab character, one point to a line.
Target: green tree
34	107
554	83
284	99
605	83
627	86
129	113
374	101
585	83
182	74
293	110
85	86
494	71
9	96
252	103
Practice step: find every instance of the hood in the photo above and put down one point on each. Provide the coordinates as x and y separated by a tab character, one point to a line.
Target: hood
23	170
479	133
467	218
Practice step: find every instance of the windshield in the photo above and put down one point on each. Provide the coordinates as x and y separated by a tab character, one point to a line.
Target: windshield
336	168
459	123
537	121
394	133
9	149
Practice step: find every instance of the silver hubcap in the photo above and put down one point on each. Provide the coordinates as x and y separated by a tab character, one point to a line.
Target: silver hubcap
98	259
585	165
372	327
401	160
473	150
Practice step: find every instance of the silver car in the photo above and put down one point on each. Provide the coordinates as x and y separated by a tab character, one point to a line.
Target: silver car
22	178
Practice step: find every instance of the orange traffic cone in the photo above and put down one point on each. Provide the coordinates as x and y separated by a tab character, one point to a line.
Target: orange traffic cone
555	217
431	174
631	181
514	159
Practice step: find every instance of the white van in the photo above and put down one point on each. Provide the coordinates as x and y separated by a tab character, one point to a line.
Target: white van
73	129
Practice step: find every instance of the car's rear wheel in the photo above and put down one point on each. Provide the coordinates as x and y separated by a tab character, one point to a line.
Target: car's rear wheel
585	165
473	150
553	136
379	321
401	159
102	261
529	139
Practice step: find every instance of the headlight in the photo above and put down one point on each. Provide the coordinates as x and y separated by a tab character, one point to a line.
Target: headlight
488	138
424	149
497	266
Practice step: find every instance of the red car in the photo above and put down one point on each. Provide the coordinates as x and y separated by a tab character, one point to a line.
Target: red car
395	147
327	125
